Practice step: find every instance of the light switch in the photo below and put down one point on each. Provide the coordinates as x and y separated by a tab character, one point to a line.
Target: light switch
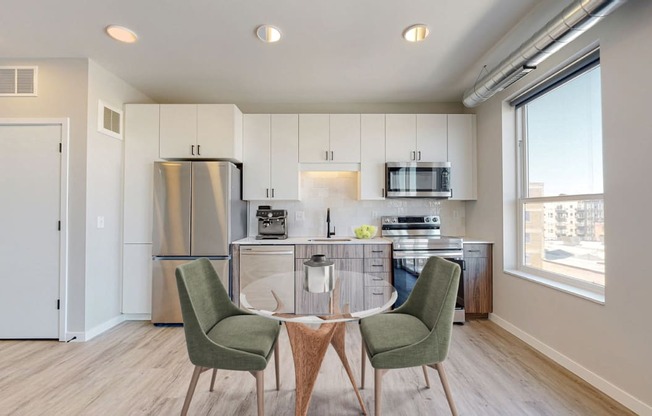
100	222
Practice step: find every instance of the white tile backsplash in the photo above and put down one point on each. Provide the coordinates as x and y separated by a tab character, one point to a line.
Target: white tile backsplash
339	192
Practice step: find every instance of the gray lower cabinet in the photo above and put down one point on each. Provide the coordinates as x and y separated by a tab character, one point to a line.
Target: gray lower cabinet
374	260
346	258
378	272
478	293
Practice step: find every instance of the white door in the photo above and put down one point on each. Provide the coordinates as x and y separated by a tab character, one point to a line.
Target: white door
178	134
462	155
432	138
29	247
314	141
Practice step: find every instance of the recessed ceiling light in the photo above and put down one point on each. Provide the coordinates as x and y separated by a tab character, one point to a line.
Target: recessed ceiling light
268	33
121	34
416	33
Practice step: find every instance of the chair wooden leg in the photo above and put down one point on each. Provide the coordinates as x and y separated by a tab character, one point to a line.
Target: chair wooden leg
447	390
277	365
425	375
363	364
378	378
260	391
191	390
213	379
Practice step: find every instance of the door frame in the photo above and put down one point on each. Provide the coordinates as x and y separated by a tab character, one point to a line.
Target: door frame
63	208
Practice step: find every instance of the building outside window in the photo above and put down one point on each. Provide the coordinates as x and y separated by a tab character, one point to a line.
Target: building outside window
561	205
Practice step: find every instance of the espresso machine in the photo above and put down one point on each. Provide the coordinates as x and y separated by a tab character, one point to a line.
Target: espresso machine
272	223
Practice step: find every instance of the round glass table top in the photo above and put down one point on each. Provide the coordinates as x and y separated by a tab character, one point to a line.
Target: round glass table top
284	296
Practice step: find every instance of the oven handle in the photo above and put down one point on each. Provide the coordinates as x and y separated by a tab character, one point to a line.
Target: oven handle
424	254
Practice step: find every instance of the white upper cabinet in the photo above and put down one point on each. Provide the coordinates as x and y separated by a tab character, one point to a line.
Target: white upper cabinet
345	138
416	138
256	166
178	131
219	131
432	138
462	155
372	162
205	131
285	157
271	153
327	138
401	137
314	138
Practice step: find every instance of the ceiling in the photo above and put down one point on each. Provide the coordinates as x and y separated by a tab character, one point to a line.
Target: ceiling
335	51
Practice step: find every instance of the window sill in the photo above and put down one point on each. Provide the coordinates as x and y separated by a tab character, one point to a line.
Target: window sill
589	295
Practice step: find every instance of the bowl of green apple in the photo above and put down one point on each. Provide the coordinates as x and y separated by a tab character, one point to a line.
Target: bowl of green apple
364	232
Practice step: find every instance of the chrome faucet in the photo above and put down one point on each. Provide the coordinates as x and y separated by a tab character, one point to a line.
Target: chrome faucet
328	224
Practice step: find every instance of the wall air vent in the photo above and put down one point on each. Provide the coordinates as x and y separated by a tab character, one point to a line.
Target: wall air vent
109	120
18	81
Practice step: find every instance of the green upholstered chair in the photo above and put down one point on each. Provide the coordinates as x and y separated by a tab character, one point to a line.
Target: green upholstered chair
417	333
219	334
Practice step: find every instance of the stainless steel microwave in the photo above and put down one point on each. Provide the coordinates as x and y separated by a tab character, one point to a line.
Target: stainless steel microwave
418	179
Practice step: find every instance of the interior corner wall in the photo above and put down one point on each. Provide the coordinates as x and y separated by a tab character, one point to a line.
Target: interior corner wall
105	156
62	93
609	344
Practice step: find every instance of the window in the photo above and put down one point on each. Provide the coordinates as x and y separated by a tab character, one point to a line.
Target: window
561	205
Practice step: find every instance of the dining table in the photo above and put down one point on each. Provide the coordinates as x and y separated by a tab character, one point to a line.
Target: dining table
316	320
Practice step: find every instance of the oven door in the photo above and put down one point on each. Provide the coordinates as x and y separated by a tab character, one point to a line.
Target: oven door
408	265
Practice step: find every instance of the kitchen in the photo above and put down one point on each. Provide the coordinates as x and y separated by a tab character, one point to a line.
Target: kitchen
97	294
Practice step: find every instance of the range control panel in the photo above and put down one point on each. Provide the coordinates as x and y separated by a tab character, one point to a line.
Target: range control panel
423	219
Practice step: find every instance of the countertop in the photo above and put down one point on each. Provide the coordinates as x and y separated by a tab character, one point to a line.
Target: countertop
307	240
475	241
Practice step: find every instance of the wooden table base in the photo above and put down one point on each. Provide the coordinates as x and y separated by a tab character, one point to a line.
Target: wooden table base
308	350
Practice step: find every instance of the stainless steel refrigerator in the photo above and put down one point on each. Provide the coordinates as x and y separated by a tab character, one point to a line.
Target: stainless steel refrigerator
198	212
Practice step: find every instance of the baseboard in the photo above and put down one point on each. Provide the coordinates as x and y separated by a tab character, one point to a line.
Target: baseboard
96	330
584	373
137	316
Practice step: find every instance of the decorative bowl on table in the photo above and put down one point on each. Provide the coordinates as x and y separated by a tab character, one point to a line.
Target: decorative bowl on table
364	232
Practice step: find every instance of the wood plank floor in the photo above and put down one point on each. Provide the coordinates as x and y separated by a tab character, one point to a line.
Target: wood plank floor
139	369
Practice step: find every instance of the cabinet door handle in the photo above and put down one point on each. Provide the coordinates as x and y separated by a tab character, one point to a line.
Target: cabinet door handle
198	152
327	155
376	265
473	251
272	192
377	278
266	192
376	251
377	294
382	192
419	153
192	149
413	155
332	157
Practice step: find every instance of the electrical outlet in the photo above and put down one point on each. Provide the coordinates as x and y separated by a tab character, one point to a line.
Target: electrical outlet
100	222
374	215
298	216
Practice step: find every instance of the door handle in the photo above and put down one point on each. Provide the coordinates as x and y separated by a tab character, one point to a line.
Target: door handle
266	192
198	152
192	149
418	158
413	155
332	157
382	192
272	192
327	155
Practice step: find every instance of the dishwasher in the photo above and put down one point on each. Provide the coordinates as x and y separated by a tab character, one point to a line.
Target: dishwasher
261	261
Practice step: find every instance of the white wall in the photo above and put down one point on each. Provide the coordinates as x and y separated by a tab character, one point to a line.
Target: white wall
338	191
607	344
105	157
62	93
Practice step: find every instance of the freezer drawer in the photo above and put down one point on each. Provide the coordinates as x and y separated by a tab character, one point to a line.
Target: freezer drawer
166	308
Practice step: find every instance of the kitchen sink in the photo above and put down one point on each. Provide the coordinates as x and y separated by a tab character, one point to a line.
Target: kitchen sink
332	240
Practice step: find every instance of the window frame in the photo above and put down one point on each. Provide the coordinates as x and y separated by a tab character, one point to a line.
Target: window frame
565	283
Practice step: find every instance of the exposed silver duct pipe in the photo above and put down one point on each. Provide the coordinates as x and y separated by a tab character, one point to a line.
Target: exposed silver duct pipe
561	30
